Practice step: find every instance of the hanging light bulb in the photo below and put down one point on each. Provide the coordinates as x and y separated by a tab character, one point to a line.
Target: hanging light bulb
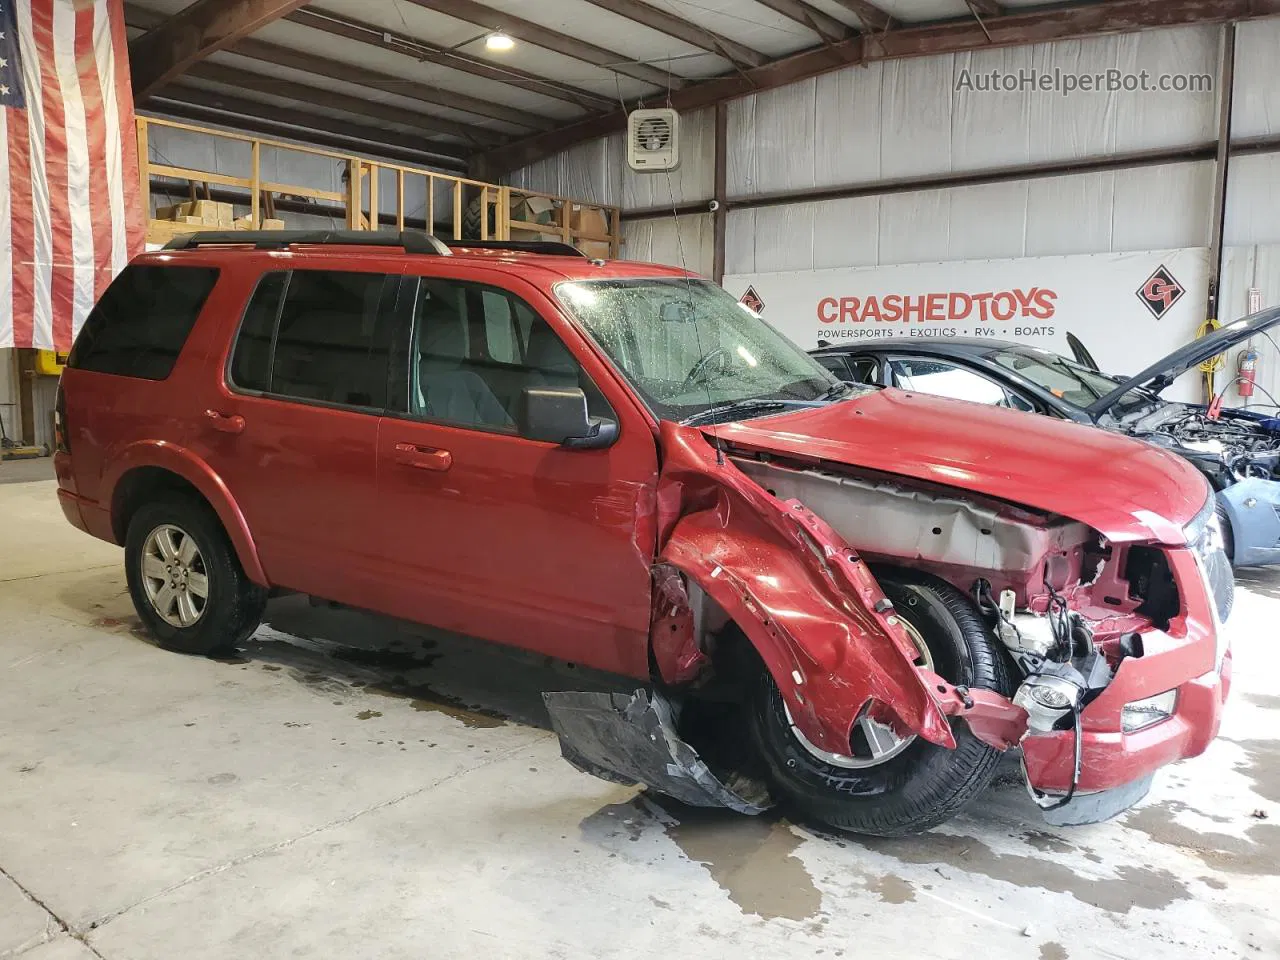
498	43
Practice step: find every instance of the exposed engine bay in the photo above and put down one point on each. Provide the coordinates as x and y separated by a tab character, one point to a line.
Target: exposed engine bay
1229	449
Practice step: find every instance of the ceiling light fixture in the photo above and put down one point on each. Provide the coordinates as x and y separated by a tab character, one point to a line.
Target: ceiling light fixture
498	43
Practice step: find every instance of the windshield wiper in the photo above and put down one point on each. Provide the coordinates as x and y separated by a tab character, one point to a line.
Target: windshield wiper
754	405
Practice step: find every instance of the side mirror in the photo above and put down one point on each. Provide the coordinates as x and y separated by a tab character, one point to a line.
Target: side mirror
559	415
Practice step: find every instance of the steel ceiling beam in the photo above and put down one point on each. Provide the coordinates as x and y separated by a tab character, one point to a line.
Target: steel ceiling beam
211	106
360	76
188	37
324	99
681	29
869	15
1070	22
417	49
823	24
561	43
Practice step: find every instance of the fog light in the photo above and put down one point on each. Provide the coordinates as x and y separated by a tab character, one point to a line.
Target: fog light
1146	713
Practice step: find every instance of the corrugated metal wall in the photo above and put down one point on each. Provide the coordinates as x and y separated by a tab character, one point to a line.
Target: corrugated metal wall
902	119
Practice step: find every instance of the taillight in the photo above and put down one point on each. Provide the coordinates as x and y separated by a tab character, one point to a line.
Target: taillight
61	437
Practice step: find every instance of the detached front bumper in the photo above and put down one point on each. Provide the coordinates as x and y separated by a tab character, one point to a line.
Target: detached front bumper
1189	658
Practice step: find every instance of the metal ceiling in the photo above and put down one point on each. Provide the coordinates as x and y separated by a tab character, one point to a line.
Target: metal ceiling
419	71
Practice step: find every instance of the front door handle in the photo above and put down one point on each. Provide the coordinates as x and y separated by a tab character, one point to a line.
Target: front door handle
423	458
223	423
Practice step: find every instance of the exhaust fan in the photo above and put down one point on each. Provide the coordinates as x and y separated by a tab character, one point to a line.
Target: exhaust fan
653	140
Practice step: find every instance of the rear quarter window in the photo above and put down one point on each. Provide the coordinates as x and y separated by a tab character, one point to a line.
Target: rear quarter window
142	322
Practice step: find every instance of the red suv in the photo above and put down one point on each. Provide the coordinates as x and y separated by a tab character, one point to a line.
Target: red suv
848	599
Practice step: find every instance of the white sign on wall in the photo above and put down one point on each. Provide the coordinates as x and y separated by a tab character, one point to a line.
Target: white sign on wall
1128	309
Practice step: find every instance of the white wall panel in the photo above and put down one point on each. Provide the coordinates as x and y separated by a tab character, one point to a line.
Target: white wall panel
1257	95
1257	267
1253	200
1069	215
1153	208
916	117
686	242
1163	207
988	222
847	234
847	135
995	128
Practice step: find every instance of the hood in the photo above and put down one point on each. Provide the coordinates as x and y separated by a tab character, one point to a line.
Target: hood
1125	489
1163	372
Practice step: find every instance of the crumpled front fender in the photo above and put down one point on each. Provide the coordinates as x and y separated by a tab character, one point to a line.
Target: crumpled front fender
804	599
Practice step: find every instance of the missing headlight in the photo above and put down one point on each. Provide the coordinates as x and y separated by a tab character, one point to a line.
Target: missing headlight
1151	583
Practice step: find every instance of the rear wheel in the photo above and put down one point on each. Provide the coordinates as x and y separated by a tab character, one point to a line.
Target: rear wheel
888	785
185	579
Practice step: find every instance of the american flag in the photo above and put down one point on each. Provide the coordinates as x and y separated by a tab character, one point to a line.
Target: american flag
70	211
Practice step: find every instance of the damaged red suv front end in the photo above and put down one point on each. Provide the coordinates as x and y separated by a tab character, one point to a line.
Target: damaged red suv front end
1079	574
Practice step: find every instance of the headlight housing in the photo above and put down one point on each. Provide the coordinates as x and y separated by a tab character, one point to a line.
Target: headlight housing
1141	714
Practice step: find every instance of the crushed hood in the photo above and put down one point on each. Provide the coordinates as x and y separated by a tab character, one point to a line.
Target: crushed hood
1126	490
1164	371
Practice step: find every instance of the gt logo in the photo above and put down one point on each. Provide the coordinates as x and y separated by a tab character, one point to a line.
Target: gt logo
1161	292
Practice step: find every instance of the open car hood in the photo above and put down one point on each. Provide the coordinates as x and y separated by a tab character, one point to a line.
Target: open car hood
1163	372
1125	489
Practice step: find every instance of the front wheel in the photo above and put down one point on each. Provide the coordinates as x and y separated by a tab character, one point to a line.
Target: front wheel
185	579
887	785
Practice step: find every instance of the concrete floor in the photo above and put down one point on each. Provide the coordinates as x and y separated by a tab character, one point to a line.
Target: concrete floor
352	788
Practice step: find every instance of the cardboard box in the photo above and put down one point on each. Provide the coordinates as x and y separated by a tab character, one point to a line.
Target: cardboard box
591	221
246	223
534	210
595	249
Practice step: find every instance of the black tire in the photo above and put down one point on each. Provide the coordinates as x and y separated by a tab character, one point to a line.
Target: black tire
234	607
471	221
925	784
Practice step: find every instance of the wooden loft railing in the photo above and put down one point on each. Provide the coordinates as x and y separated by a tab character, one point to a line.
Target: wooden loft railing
475	211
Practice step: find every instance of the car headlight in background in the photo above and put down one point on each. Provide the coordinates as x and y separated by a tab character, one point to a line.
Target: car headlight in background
1147	713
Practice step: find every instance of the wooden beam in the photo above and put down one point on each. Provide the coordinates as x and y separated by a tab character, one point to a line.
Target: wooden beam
360	76
869	15
424	52
823	24
209	106
1071	22
561	43
188	37
659	19
324	99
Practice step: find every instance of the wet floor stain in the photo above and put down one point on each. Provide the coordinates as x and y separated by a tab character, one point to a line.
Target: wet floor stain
426	700
892	889
752	859
1053	951
368	714
1148	888
1264	700
1256	854
1262	767
1047	842
124	625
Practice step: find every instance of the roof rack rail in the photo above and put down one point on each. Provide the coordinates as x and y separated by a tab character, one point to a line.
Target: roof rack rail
552	248
412	241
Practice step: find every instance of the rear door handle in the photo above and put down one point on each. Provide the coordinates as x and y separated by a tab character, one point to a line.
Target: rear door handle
423	458
223	423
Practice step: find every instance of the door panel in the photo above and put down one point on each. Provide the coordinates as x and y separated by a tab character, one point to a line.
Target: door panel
295	435
494	535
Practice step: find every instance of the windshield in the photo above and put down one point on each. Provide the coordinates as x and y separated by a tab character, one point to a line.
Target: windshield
692	352
1065	379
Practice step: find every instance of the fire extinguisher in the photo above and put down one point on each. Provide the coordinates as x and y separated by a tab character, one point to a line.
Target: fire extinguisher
1247	372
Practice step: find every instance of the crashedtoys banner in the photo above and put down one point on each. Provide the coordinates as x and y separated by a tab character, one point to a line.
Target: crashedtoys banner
1127	308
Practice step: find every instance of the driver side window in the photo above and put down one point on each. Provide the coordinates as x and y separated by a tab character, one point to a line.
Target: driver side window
941	378
476	348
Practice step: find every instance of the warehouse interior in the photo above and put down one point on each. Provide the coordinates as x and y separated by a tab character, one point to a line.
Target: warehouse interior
471	733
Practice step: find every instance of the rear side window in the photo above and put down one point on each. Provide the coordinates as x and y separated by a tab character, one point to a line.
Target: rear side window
142	322
319	335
